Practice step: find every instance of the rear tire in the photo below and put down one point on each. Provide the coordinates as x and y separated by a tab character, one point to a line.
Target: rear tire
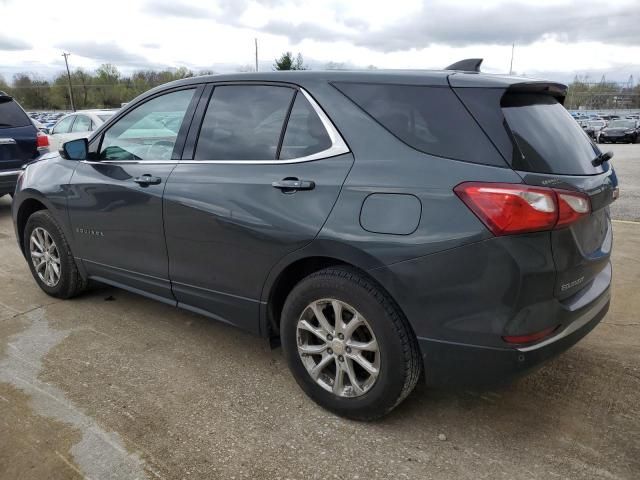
383	345
49	257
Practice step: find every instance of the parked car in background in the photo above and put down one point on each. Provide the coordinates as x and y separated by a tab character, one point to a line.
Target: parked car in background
20	142
79	124
620	131
340	214
593	128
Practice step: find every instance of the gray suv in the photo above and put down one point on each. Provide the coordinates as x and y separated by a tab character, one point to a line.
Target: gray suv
383	226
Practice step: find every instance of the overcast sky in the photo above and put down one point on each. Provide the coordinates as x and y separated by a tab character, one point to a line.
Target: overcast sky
554	38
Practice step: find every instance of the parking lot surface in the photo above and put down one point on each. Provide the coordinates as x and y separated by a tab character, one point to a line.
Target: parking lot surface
112	385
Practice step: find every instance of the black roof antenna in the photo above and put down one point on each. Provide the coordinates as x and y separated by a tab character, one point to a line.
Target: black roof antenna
466	65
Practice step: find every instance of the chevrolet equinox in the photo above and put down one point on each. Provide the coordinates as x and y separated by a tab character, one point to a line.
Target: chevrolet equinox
381	226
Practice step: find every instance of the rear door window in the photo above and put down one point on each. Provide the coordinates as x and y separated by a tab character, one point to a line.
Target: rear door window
305	134
243	122
429	119
11	115
548	139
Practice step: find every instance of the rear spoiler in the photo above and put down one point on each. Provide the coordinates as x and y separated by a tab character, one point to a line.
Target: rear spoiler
557	90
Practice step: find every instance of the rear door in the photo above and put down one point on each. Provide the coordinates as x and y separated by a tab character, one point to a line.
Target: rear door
544	144
261	171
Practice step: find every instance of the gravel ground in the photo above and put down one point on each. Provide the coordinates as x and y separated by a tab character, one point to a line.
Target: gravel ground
112	385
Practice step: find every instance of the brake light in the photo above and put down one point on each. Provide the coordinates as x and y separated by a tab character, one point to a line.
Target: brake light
42	140
507	208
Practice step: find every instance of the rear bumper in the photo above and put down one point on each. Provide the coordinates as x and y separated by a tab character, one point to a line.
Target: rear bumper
451	364
8	180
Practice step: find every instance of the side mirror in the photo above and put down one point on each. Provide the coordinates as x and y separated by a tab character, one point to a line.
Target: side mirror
75	149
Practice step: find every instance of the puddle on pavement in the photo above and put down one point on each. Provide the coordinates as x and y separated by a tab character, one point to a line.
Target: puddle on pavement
85	448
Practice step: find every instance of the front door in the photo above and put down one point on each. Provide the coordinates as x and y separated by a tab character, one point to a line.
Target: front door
115	203
254	188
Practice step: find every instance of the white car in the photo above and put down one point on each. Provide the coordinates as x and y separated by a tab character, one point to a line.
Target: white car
77	125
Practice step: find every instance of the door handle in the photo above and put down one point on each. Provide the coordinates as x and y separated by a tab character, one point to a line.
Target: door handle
147	179
293	184
7	141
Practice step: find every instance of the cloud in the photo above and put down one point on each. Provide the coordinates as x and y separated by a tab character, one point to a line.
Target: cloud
105	52
7	43
176	9
458	25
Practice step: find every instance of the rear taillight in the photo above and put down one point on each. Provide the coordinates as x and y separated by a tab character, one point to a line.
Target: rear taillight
42	140
507	208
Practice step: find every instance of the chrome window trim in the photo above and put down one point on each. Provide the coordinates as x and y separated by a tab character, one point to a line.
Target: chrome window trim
338	147
10	173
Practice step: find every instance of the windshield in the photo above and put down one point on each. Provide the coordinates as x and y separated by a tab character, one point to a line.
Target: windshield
548	139
621	124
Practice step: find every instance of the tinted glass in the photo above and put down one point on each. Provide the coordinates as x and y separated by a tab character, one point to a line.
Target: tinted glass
64	125
82	124
11	115
548	138
148	132
429	119
243	122
305	134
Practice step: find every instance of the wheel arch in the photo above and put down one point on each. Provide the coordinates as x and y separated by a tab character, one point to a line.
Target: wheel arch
28	206
299	265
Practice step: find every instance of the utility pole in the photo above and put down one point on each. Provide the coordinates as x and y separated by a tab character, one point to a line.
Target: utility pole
256	41
65	55
513	46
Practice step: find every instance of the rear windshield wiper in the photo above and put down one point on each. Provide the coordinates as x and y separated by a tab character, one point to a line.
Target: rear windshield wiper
600	159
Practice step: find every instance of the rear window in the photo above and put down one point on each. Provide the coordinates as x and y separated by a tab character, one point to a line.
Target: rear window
429	119
11	115
548	139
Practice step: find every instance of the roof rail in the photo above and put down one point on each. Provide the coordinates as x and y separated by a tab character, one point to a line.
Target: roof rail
466	65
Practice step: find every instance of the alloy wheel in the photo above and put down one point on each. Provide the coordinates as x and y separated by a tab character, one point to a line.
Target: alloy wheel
338	348
45	256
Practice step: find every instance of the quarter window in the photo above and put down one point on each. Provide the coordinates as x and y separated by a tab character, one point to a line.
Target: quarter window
148	132
305	133
243	122
429	119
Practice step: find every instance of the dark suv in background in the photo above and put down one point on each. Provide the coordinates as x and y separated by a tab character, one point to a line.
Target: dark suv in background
622	130
381	225
20	142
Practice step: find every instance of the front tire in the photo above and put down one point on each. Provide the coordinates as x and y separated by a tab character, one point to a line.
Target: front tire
49	257
348	345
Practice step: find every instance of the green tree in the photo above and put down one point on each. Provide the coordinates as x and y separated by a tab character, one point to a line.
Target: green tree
287	62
